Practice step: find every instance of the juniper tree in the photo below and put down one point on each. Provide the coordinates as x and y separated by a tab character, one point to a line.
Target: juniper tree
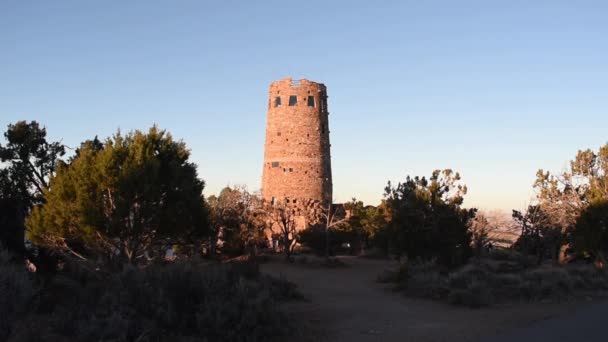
121	200
426	218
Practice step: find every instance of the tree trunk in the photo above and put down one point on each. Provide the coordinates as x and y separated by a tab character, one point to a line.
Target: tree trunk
212	245
326	242
562	257
600	260
287	246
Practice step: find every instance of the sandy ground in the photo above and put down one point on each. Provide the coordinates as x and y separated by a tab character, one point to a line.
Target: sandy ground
347	304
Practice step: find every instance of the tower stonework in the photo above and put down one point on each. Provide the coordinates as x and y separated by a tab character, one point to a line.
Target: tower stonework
297	162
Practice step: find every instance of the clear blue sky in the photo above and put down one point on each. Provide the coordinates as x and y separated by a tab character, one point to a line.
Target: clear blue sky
493	89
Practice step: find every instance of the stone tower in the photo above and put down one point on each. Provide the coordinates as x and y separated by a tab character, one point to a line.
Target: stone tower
297	163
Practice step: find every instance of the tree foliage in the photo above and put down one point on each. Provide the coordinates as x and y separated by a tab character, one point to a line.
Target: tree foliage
124	200
539	234
238	219
426	218
28	160
590	235
563	199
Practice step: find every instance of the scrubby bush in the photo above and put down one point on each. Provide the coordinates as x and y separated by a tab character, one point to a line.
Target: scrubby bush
177	302
588	278
418	278
491	281
17	293
506	260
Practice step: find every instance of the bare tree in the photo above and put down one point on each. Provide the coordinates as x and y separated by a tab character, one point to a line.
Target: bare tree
237	219
330	216
253	221
562	198
283	216
224	214
492	228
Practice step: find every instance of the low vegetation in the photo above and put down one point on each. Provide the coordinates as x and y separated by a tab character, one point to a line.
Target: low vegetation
17	293
176	301
502	277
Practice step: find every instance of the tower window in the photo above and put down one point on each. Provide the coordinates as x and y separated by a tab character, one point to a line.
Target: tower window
275	164
277	101
311	101
293	100
290	169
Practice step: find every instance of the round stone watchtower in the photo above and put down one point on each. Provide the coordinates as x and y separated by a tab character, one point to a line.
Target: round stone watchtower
297	162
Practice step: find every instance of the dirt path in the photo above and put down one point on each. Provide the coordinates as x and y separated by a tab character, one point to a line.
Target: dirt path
346	304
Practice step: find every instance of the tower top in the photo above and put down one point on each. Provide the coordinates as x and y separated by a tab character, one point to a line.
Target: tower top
290	82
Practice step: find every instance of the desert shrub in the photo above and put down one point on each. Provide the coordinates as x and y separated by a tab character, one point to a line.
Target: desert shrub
475	294
418	278
17	292
507	287
426	284
463	277
470	286
180	301
588	278
486	282
518	261
547	282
